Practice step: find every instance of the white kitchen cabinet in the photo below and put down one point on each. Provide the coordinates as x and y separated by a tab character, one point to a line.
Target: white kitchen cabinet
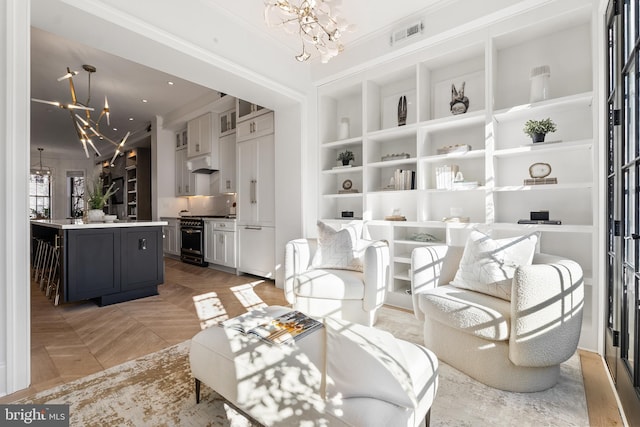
493	153
181	138
188	183
246	110
185	180
227	122
227	175
200	137
171	232
220	242
209	249
255	127
256	249
256	181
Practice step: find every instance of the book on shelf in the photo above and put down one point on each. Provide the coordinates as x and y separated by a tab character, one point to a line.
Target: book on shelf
404	179
284	329
395	218
445	176
542	221
450	149
540	181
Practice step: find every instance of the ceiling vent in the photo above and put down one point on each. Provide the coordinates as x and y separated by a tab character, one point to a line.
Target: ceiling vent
406	33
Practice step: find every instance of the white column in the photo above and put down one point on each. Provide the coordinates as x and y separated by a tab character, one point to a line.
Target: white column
15	357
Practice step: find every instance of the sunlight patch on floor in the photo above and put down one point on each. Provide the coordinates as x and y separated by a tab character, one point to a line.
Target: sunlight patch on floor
247	296
209	309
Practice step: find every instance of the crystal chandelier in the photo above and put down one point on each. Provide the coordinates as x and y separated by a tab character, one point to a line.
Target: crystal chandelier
86	127
315	21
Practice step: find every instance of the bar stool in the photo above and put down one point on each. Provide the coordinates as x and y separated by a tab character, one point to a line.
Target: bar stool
38	257
47	254
53	276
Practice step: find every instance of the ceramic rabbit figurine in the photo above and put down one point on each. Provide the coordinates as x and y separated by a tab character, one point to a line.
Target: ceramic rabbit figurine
459	103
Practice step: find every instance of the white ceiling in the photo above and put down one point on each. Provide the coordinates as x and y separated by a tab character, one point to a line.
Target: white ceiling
126	83
368	16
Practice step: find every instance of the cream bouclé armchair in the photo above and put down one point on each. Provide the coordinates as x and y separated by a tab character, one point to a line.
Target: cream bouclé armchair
344	294
514	345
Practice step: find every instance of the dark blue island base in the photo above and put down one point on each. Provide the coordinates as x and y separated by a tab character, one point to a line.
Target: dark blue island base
107	264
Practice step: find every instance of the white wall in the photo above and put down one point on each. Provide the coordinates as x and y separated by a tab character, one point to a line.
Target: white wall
15	312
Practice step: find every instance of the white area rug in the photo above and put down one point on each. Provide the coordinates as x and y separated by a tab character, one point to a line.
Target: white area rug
157	390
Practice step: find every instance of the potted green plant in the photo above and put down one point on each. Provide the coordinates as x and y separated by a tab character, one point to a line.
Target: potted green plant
97	198
346	156
537	129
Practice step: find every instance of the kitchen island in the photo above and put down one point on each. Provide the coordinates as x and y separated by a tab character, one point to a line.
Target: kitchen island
107	262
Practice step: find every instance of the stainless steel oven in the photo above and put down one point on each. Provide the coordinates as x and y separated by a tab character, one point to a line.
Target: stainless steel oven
192	238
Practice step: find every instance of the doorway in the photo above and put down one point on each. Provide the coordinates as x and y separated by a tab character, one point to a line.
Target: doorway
623	188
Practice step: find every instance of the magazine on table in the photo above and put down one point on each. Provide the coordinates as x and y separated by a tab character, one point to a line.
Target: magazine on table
283	329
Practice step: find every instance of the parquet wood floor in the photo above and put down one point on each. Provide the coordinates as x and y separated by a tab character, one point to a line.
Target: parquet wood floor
73	340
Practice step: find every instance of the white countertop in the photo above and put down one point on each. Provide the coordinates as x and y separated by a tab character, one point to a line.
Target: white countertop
79	224
197	216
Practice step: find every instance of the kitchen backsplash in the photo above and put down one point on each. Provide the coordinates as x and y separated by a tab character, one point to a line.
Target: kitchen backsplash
211	205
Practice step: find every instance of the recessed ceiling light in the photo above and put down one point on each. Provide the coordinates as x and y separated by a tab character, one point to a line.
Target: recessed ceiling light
115	129
145	101
130	119
170	83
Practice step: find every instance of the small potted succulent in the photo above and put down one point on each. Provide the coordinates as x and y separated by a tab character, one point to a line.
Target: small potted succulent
346	156
537	129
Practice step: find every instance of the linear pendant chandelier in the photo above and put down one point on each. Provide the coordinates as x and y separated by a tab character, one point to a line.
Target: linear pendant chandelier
315	21
86	127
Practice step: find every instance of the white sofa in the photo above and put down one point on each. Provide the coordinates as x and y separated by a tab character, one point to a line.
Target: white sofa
515	345
338	293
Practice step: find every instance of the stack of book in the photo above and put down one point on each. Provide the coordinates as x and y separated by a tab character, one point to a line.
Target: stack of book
540	181
445	176
404	179
450	149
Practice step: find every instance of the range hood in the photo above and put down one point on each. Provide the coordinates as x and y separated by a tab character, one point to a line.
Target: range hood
202	164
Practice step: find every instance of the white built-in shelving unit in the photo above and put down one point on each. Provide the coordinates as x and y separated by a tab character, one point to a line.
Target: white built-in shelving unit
495	63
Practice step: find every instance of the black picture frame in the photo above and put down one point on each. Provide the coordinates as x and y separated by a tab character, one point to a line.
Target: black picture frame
118	197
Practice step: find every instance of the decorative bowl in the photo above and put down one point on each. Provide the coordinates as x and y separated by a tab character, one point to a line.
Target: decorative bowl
110	218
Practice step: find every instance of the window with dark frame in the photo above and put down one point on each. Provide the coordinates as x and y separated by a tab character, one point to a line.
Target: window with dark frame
75	185
39	196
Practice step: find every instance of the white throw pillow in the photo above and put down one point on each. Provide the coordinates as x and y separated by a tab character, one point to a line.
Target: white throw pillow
337	249
488	265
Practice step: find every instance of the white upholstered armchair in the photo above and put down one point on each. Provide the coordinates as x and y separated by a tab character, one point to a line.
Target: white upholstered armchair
338	293
515	345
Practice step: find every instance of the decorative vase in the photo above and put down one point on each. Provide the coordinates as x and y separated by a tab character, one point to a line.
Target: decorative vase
402	111
345	162
538	137
539	83
95	215
343	129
